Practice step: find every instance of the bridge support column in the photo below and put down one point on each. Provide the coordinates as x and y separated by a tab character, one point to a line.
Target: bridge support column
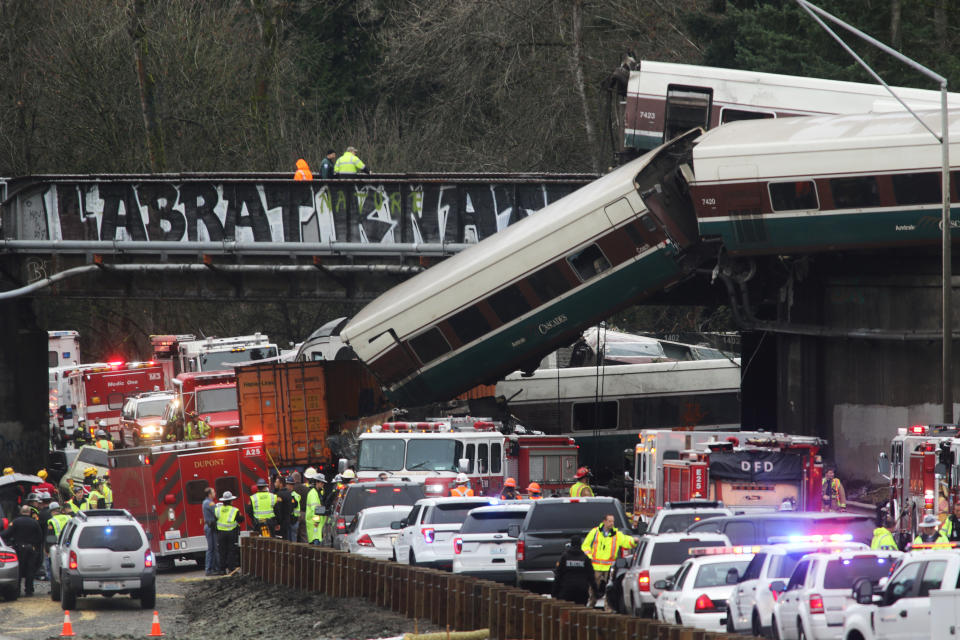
23	387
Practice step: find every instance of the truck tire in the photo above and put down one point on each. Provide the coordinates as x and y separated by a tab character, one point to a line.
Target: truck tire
148	597
755	627
12	593
54	588
68	599
413	559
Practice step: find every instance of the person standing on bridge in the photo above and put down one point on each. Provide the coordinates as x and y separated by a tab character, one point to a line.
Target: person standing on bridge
303	171
349	164
834	497
326	167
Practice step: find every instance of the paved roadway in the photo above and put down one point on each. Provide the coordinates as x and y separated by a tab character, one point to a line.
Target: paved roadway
40	617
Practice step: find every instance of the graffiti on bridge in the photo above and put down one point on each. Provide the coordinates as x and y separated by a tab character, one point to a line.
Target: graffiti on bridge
277	211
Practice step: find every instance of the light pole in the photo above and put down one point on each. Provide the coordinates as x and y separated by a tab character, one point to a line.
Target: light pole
944	138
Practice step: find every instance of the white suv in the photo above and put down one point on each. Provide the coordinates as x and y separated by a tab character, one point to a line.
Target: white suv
677	516
813	604
484	547
750	608
426	533
102	551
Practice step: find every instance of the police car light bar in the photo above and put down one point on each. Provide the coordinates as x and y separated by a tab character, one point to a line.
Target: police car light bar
721	551
816	538
933	545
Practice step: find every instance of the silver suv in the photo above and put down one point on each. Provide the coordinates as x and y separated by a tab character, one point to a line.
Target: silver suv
102	551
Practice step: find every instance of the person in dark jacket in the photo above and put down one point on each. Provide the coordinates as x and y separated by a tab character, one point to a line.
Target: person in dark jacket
326	167
573	575
26	537
284	507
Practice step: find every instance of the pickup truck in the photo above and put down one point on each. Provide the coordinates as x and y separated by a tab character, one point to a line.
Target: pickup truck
902	608
547	530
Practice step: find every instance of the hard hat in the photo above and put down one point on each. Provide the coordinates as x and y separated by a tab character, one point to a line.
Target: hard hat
310	473
32	497
510	482
349	474
43	495
42	474
929	520
101	433
7	471
227	497
54	505
102	424
582	472
533	487
287	479
89	471
261	482
786	505
462	478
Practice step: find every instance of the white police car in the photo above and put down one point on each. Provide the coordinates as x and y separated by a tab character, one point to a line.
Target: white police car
425	535
696	595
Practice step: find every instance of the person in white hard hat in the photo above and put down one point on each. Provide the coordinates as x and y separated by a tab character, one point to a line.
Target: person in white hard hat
228	532
462	488
929	532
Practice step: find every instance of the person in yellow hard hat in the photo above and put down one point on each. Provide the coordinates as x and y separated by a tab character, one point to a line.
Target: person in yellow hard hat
8	471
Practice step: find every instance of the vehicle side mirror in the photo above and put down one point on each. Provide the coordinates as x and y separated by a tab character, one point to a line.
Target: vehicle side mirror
463	465
341	465
513	530
396	524
662	585
883	464
733	576
863	591
778	585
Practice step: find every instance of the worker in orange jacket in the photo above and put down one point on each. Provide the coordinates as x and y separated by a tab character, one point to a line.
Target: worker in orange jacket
462	490
303	171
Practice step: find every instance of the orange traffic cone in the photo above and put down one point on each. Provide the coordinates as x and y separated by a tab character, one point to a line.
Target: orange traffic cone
155	628
67	631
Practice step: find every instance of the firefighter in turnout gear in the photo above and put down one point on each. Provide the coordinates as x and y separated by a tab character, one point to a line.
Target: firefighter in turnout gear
834	497
582	487
951	526
462	490
603	546
316	512
261	510
228	532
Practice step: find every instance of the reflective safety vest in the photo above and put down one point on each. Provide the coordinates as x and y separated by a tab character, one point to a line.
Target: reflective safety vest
203	429
604	549
883	539
348	163
314	499
92	501
581	490
461	491
104	443
263	503
57	522
833	491
296	505
535	496
107	495
226	517
189	431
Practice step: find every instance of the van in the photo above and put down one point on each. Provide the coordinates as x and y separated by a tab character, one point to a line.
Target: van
766	528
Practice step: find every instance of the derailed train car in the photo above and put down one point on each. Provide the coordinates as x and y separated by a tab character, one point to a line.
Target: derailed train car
511	299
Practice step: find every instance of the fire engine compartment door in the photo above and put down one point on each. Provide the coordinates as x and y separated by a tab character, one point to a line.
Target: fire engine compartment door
757	478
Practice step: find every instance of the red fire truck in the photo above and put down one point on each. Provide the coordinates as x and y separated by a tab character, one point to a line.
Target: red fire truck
431	452
163	488
918	482
737	468
99	392
212	396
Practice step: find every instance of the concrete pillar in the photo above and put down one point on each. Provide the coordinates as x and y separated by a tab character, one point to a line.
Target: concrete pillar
23	387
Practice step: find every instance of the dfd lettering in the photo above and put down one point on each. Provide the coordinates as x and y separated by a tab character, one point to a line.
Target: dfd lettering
758	466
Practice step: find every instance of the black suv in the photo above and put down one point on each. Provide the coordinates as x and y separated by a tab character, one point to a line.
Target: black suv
547	529
361	495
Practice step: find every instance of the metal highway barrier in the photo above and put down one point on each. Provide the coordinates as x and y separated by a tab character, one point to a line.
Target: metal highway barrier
460	603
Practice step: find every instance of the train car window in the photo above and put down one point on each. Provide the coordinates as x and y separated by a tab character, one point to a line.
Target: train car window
686	108
686	411
855	193
732	115
508	303
548	283
589	262
594	415
649	224
917	188
789	196
430	345
469	324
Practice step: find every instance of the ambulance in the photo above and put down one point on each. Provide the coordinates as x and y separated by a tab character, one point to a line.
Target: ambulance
99	392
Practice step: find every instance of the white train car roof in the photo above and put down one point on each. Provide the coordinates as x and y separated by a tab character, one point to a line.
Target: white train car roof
783	93
495	259
822	145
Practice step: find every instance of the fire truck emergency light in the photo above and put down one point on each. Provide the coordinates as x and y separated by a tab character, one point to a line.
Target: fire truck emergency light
816	538
220	442
933	545
918	429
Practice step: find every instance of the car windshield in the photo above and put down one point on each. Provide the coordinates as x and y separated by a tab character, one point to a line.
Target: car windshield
715	573
216	400
574	516
454	513
842	573
121	537
217	361
783	566
676	552
433	455
381	455
151	408
381	519
492	521
678	522
360	496
634	349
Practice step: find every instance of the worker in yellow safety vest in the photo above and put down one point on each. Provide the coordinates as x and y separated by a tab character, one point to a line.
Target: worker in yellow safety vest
603	545
228	531
261	508
582	487
316	515
834	497
349	163
883	536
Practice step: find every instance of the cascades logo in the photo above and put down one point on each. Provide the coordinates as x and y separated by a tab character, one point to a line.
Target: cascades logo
552	324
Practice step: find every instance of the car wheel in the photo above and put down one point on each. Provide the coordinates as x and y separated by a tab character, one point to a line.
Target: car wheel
730	627
677	616
413	559
774	632
755	626
801	634
12	593
54	588
148	597
68	599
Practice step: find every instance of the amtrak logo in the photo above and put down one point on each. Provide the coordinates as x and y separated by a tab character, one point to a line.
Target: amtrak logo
545	327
